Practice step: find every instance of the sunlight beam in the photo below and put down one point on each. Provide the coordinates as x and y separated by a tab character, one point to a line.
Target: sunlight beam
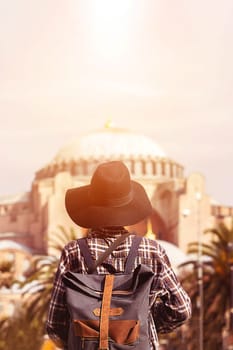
110	26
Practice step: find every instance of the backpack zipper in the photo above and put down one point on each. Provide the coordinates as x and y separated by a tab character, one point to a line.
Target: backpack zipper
121	292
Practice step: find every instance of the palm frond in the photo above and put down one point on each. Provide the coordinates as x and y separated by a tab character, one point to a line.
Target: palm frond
215	281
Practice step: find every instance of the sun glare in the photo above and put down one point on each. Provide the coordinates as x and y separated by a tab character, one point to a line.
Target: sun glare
110	27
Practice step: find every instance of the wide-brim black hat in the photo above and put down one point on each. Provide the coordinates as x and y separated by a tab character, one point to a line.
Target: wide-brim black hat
111	199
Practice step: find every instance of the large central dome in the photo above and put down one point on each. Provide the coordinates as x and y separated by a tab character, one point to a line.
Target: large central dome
110	143
140	153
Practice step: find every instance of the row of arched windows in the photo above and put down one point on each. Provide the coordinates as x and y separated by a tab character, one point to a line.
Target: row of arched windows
137	167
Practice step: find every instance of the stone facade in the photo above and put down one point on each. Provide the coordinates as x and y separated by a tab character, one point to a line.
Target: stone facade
182	209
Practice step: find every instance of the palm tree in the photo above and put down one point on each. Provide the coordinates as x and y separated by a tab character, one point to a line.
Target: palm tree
40	277
27	324
6	273
217	259
20	332
61	238
38	285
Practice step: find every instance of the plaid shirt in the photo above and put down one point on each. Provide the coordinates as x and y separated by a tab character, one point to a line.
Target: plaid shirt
170	305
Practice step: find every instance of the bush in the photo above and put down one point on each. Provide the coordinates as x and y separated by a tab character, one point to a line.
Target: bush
21	332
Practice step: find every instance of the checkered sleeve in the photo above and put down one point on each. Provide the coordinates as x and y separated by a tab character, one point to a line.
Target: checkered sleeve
58	316
172	306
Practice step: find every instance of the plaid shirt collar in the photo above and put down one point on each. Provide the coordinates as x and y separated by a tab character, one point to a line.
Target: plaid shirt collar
104	232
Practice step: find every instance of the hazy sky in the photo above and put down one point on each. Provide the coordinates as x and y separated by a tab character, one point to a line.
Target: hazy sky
162	68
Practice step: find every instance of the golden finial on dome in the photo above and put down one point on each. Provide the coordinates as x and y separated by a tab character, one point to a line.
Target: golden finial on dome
109	124
150	234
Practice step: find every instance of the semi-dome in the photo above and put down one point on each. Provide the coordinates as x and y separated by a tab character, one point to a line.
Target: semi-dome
109	143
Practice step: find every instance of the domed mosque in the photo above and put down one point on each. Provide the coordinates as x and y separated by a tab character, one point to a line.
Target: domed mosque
180	205
81	156
74	164
109	143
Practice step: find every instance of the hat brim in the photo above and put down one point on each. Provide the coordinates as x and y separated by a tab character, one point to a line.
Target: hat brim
87	215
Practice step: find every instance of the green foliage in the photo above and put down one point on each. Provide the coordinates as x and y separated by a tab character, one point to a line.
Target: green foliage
6	272
216	262
6	265
61	238
24	331
174	340
40	277
21	332
38	285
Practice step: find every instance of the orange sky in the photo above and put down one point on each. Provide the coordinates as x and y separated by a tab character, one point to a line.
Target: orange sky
163	68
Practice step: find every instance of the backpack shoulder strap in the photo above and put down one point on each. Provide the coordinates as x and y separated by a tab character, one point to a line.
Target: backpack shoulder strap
91	264
129	266
85	251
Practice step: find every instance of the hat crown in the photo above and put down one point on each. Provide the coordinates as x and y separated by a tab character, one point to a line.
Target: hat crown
111	199
111	184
